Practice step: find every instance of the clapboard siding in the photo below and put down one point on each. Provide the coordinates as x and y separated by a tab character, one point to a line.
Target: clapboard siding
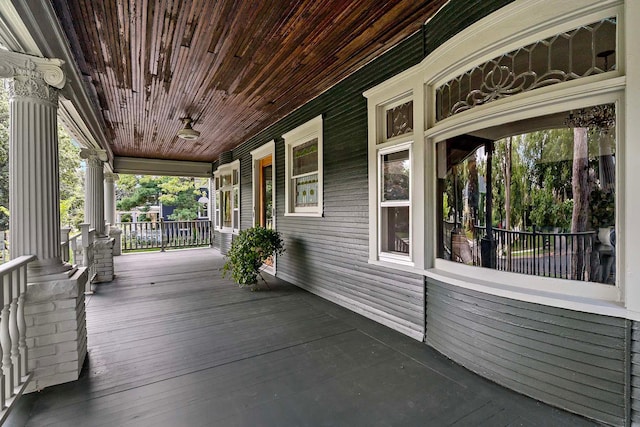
577	361
329	255
455	17
224	240
635	373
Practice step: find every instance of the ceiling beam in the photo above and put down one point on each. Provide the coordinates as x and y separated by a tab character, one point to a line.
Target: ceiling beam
159	167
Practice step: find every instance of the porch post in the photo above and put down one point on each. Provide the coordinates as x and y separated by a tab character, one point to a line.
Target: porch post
33	161
54	300
94	189
110	197
94	212
110	210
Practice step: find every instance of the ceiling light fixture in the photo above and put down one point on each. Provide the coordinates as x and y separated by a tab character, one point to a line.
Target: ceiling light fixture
187	131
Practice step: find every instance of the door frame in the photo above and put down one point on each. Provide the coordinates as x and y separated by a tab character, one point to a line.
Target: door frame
266	150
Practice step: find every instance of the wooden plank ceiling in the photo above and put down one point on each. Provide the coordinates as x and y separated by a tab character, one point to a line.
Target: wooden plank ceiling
233	66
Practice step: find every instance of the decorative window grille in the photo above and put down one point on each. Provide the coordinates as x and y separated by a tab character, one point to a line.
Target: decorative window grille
399	120
584	51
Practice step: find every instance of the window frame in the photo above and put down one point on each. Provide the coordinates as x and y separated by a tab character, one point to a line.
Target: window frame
380	100
588	91
313	129
232	169
475	45
395	148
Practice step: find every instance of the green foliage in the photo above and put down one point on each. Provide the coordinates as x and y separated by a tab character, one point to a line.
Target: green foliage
248	252
145	191
602	206
71	181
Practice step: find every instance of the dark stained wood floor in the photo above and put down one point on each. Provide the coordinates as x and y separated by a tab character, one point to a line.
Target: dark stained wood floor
171	343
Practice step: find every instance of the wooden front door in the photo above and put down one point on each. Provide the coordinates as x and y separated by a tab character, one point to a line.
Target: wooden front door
265	195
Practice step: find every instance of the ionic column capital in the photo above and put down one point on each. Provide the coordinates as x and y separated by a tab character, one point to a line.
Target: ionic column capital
94	157
32	77
111	177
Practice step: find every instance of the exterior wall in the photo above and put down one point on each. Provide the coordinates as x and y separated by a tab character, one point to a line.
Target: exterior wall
455	17
635	374
584	363
576	361
328	255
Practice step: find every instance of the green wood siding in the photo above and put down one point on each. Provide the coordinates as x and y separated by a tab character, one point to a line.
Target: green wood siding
635	373
455	17
328	255
573	360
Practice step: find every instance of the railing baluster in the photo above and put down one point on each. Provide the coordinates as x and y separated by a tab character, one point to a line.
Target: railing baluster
5	338
13	326
22	324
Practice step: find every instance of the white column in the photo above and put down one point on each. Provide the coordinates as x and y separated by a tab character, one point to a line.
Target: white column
33	163
110	197
94	188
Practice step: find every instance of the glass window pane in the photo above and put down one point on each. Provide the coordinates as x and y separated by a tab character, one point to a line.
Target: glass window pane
236	219
305	158
395	230
400	120
547	195
395	170
226	180
235	177
306	190
226	208
236	199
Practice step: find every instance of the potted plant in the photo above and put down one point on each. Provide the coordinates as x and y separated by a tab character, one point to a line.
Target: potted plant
249	250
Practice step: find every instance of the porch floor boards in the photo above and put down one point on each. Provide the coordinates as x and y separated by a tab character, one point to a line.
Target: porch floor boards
171	343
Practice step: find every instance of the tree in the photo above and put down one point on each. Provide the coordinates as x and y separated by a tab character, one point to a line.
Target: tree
146	191
71	181
580	186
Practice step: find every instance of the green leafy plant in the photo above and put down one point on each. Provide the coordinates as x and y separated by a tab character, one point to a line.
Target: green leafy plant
249	250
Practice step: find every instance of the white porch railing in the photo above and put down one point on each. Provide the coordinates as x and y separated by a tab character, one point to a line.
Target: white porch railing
15	374
79	250
165	234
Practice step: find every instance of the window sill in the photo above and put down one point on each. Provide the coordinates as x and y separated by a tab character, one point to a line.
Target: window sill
310	214
407	266
579	296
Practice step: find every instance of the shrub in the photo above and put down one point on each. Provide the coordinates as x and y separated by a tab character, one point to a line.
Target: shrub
250	248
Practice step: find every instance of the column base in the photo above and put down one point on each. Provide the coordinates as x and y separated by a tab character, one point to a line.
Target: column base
45	270
56	329
103	259
116	234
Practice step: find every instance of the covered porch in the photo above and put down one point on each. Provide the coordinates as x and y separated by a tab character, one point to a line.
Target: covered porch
170	342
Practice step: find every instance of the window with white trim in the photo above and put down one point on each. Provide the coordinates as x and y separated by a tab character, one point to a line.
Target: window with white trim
303	164
394	166
391	204
526	178
227	203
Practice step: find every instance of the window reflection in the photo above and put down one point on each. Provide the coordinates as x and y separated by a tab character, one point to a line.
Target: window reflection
547	192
